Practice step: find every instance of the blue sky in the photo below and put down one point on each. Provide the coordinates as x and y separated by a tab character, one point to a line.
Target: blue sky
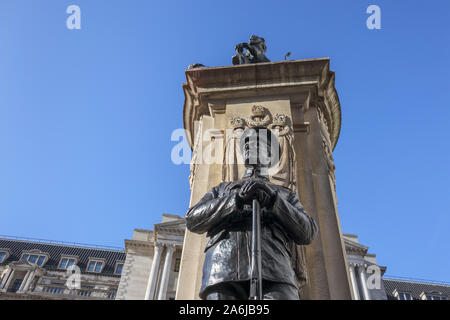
86	115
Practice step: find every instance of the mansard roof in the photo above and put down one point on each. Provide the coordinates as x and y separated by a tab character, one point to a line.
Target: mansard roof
415	288
56	251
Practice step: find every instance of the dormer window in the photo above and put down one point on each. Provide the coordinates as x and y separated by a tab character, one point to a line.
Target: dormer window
95	265
35	257
402	295
67	262
119	267
3	255
433	296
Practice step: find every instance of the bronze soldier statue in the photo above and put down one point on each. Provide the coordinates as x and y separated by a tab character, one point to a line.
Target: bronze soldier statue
225	213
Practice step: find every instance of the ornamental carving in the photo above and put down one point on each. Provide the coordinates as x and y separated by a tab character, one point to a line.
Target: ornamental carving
260	117
326	146
197	140
284	172
233	163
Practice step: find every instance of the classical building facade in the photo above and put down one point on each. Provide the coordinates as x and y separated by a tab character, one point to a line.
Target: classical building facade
46	270
153	261
153	258
149	269
365	273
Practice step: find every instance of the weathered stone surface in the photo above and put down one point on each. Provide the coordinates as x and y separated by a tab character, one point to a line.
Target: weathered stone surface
296	89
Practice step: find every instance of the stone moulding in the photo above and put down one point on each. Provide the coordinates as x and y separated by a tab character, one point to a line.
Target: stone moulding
312	76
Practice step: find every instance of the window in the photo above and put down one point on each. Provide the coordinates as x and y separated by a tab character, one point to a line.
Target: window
177	265
16	285
433	296
111	296
404	296
95	266
3	256
37	259
86	290
54	288
66	263
119	267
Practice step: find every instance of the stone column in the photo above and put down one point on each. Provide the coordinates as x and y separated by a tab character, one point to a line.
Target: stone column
24	281
166	272
8	279
362	278
354	282
150	292
5	278
29	280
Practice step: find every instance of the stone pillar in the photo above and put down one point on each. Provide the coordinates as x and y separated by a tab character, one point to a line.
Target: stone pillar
304	91
8	279
24	281
5	278
150	292
363	279
354	281
166	272
29	280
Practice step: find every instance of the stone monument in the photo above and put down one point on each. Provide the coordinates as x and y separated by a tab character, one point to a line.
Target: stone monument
252	224
298	101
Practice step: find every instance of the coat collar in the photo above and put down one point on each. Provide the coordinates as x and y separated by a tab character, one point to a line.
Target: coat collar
256	172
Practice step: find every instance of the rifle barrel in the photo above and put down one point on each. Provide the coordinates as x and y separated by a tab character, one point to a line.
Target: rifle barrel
256	276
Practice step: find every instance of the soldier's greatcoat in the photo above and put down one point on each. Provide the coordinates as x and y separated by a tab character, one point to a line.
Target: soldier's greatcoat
229	224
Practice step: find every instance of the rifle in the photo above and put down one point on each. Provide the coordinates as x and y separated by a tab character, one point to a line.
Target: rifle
256	276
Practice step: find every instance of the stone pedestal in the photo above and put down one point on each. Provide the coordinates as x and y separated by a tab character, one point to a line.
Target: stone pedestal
303	92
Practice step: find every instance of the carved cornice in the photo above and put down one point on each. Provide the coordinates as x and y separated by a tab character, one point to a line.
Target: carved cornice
138	243
272	78
174	231
353	247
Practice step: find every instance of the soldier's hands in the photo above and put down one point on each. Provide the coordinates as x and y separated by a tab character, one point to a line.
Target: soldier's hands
257	189
251	186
